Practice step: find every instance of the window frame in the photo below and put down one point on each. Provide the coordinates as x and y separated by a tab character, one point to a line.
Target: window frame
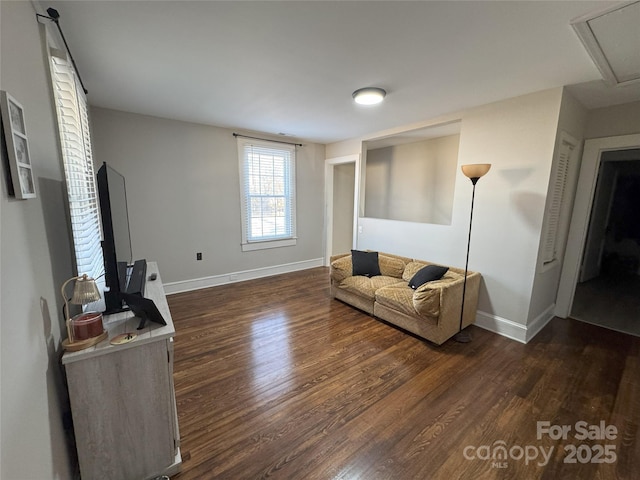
289	151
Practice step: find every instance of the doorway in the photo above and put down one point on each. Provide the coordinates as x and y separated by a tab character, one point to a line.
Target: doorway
608	291
600	281
341	204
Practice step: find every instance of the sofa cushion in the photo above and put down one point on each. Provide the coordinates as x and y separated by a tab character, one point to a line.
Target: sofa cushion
427	274
365	263
411	269
397	297
367	286
391	266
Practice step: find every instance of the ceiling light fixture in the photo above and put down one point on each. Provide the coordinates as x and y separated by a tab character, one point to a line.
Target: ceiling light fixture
369	95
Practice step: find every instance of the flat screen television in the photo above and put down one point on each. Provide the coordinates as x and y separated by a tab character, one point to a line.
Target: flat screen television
116	243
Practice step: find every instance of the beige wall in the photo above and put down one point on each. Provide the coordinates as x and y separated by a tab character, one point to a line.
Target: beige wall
35	254
183	193
412	182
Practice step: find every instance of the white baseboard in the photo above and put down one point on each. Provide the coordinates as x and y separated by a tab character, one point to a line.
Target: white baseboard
511	329
540	321
233	277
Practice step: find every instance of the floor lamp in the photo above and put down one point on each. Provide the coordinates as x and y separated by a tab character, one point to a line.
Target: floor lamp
474	172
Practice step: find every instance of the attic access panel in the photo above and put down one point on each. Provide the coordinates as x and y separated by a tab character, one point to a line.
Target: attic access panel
612	37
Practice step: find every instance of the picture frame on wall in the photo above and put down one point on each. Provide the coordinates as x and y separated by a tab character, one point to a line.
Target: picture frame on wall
15	133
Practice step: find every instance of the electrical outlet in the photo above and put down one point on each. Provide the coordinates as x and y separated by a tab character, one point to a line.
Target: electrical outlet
233	277
199	256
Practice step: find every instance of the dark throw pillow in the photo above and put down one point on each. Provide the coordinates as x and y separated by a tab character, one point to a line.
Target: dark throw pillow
365	263
427	274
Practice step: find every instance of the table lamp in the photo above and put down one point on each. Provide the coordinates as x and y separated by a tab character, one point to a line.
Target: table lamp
85	329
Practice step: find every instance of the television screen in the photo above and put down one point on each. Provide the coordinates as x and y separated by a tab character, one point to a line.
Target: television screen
119	216
116	243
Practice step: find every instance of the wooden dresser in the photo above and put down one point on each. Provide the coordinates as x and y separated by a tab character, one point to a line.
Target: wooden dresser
123	398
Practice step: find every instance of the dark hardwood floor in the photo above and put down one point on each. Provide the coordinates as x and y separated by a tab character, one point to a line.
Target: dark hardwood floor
275	379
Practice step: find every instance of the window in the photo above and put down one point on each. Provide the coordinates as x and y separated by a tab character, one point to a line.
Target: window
267	188
75	143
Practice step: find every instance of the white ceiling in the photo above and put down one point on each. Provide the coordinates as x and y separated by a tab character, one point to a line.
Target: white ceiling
291	67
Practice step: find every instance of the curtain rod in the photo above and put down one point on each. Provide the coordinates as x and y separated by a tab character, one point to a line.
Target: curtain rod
54	16
267	140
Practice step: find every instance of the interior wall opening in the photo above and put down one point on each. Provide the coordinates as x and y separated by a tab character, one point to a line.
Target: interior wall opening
411	176
608	289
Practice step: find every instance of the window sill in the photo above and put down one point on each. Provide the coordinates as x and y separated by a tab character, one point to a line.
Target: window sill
289	242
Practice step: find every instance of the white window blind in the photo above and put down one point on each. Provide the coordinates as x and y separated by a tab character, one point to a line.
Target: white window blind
267	184
75	142
558	193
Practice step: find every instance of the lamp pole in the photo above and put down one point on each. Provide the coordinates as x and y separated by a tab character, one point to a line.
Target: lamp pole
474	172
461	336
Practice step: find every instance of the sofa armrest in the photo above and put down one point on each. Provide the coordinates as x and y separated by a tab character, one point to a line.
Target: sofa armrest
428	298
442	298
341	267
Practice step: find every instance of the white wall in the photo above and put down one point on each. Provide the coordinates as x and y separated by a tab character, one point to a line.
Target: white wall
517	136
613	121
35	253
183	193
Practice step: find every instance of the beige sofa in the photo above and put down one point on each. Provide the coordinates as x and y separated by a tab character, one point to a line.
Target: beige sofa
432	311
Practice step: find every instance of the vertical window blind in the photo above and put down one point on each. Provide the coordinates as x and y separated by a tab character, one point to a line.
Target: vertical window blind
267	177
75	142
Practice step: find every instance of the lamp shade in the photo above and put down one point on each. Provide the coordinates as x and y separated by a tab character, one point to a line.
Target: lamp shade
85	291
476	170
369	95
86	329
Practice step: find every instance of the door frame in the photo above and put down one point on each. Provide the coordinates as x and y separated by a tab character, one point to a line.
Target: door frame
591	158
330	164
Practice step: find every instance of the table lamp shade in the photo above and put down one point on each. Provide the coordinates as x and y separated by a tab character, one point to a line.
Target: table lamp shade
86	329
85	291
